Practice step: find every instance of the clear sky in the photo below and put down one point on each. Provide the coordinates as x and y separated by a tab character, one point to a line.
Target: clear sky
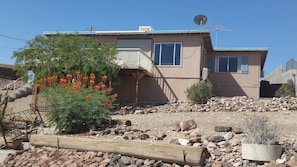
250	23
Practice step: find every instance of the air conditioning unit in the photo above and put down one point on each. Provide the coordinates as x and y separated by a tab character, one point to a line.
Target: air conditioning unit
145	28
204	73
262	74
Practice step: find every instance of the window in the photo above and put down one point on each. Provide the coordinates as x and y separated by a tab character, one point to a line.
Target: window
167	54
228	64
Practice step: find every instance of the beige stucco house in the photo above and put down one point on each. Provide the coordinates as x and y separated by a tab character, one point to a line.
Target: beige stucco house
159	65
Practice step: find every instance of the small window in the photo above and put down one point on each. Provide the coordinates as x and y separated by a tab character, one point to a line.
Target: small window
167	54
228	64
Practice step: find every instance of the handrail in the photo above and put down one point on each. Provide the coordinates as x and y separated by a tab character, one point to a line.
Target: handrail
14	83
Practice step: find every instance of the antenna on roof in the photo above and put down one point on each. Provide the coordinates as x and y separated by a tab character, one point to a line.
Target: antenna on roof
91	28
200	20
220	28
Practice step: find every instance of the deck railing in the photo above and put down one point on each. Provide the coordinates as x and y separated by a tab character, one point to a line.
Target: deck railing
134	58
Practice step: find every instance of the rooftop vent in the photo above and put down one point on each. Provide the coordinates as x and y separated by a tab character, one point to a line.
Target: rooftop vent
145	28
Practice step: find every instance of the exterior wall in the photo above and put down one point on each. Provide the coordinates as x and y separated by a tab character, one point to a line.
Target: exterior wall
168	82
6	72
238	84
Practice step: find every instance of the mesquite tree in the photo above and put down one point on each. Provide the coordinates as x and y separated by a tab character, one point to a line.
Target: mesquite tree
66	53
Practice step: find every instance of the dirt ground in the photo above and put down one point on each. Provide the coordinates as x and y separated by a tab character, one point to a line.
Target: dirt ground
206	121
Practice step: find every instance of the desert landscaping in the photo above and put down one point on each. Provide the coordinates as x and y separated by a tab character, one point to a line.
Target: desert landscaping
215	126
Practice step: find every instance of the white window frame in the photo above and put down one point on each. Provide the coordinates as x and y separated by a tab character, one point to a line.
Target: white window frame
174	53
240	64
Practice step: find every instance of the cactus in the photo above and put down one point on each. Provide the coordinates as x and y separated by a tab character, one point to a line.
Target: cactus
3	106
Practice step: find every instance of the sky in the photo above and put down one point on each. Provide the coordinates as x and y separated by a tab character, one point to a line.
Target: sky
268	24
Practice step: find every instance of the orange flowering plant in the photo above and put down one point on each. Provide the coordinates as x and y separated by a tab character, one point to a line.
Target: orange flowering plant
77	102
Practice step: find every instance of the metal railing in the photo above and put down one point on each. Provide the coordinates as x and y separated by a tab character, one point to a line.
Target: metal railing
134	57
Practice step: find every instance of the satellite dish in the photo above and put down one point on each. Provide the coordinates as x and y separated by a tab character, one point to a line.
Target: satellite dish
200	20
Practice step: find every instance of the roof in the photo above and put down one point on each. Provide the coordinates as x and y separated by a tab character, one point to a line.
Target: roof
154	32
6	66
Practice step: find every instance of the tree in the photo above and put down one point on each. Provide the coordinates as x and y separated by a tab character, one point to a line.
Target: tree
65	53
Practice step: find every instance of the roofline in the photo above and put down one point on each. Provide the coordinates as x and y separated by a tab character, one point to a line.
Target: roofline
154	32
264	49
6	66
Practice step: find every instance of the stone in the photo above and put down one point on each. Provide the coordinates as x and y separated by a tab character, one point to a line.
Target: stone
160	135
237	130
125	160
228	135
139	112
223	128
216	139
217	164
176	127
183	142
188	125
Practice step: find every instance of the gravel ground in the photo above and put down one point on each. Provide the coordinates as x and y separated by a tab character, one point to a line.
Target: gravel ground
206	121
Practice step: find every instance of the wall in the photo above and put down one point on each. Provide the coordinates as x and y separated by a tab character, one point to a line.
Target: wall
237	84
168	82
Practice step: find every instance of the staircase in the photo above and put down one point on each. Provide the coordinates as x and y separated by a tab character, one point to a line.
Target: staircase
24	90
17	89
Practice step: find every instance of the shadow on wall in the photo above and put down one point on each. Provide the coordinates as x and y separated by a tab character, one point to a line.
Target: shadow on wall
267	89
151	90
225	85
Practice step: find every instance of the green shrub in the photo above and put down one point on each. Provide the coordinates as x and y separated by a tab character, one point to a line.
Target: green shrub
282	91
199	92
70	112
74	107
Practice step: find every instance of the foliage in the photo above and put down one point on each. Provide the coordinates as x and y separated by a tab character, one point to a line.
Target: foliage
75	104
282	91
65	53
259	130
199	92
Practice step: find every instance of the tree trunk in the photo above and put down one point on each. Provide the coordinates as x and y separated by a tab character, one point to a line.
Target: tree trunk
142	149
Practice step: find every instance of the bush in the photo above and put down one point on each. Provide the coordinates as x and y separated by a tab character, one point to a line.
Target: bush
75	106
282	91
199	92
259	130
287	89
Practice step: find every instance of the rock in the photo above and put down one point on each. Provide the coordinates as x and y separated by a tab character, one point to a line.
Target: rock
217	164
291	162
138	112
228	135
125	160
176	127
216	139
194	138
183	142
237	130
188	125
223	128
160	135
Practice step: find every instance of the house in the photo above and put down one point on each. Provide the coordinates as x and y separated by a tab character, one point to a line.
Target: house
159	65
280	76
7	72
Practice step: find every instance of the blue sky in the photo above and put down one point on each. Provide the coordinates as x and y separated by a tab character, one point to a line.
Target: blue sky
252	23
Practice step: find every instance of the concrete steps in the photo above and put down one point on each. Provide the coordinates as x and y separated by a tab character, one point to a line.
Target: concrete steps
22	91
